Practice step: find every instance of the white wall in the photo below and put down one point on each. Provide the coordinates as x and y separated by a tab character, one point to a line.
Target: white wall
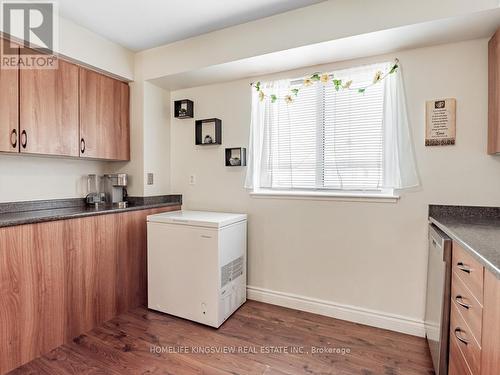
157	139
149	140
366	255
30	177
85	46
92	49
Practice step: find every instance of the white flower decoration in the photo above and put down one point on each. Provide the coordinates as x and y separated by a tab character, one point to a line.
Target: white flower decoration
377	77
308	82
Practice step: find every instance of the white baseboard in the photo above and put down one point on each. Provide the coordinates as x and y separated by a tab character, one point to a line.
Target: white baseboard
355	314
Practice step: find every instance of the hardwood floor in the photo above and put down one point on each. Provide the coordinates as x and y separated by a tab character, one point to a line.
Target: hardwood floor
266	339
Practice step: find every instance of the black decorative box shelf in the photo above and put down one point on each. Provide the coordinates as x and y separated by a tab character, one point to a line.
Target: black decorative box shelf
183	109
208	131
236	157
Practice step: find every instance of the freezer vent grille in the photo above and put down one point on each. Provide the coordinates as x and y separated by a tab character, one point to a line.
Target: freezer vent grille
231	271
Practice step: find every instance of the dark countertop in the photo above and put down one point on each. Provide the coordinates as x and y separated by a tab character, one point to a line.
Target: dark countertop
19	213
477	229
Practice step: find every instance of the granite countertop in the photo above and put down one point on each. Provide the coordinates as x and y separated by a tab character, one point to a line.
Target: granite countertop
19	213
477	229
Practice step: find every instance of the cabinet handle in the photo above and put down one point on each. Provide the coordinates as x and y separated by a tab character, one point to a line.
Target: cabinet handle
460	301
459	337
82	145
24	139
13	138
463	267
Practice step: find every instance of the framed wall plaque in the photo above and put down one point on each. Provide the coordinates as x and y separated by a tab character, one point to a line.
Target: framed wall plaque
440	122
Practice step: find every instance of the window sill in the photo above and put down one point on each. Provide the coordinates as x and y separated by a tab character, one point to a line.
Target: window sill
327	196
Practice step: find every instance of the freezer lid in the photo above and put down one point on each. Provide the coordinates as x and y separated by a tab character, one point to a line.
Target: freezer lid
198	218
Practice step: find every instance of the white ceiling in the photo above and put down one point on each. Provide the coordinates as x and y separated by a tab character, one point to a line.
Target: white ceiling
143	24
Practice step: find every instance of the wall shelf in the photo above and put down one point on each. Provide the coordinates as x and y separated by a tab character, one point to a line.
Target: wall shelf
183	109
208	131
236	157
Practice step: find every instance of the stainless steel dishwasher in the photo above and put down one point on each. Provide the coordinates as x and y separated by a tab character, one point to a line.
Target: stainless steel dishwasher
437	309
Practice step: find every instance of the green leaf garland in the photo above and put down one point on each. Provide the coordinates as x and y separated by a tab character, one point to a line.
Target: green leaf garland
324	78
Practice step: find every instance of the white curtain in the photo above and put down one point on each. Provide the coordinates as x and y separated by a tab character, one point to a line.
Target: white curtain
259	166
400	168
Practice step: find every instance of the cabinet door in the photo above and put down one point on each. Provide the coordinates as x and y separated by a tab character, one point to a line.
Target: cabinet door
490	358
31	292
9	109
104	117
49	110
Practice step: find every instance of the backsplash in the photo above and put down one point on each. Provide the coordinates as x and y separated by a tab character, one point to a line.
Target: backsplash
26	178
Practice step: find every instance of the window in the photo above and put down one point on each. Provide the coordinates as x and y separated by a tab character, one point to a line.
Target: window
327	139
332	142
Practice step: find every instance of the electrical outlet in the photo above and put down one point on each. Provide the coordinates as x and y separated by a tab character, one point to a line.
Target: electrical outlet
150	179
192	179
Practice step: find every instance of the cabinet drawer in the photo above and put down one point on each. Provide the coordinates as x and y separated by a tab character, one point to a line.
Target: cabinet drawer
457	364
460	334
468	305
469	270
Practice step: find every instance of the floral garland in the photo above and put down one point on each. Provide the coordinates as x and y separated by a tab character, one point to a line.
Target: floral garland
325	78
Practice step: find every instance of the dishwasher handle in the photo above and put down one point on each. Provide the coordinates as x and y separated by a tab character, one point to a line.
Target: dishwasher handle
440	241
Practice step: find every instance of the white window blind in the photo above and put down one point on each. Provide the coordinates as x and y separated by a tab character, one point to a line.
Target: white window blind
329	139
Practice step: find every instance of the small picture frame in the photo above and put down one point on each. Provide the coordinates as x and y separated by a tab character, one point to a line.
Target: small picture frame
440	122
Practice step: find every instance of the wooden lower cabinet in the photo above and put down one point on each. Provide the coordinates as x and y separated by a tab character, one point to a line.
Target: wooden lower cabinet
31	297
490	358
60	279
458	365
464	339
475	317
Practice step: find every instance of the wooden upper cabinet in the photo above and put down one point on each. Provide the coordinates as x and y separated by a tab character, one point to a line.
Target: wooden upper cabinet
9	109
68	111
49	110
494	94
104	117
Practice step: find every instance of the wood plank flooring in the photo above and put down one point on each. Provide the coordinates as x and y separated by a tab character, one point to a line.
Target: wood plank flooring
258	339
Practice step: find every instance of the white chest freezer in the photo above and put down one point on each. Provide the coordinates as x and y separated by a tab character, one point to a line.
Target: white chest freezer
197	264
